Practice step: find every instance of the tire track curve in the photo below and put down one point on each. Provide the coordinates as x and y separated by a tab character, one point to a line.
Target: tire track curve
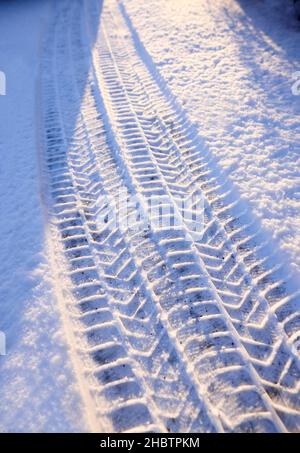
266	346
122	323
176	332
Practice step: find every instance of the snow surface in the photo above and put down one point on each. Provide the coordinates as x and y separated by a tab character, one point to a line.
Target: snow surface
115	329
38	388
231	64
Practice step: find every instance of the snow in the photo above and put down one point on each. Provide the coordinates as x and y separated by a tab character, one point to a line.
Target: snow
38	389
111	328
231	64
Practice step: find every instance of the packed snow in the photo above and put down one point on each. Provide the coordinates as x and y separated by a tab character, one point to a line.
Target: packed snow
38	388
140	328
233	65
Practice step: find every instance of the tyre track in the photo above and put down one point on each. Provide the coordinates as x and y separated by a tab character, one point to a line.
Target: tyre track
109	261
274	361
110	364
175	333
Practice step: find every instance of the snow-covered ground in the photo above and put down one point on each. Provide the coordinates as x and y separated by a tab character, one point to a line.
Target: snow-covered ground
113	328
38	388
231	64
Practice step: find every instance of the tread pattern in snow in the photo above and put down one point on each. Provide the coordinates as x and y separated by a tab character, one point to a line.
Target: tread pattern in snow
176	333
